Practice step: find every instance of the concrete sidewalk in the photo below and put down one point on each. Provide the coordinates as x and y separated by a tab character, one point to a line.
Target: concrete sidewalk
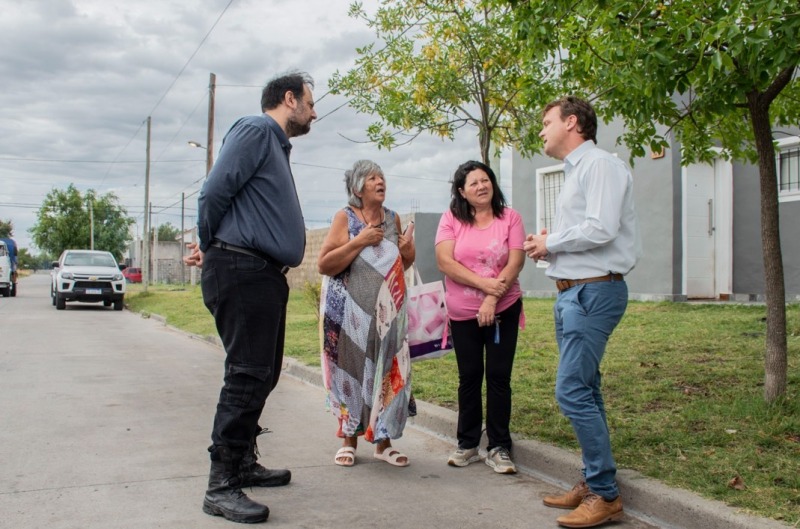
644	498
107	416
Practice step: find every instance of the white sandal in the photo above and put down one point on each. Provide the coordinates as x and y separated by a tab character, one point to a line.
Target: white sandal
345	456
391	456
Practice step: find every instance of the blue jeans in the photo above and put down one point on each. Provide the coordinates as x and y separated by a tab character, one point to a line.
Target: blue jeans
247	297
585	316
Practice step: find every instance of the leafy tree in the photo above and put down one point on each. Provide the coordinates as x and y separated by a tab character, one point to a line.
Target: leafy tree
44	260
64	221
25	259
442	65
6	228
714	72
168	232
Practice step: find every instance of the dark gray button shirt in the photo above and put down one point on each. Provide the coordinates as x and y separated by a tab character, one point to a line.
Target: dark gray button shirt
249	198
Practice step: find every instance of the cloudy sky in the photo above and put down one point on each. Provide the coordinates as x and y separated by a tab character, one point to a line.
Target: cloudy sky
81	77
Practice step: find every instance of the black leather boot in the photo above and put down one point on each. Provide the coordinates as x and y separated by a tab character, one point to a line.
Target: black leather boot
254	475
224	496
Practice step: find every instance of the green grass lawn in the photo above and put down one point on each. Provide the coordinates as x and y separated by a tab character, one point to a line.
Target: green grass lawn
683	385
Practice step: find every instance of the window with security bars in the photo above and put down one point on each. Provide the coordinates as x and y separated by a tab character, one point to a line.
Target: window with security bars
789	170
548	184
549	181
787	164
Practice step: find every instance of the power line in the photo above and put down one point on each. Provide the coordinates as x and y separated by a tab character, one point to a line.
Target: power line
167	91
54	160
190	58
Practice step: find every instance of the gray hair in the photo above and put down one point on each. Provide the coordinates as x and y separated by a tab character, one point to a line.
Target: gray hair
355	178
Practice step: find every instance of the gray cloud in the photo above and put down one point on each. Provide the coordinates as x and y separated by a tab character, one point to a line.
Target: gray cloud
81	77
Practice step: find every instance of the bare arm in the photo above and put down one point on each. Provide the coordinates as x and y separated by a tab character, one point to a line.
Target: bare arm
406	245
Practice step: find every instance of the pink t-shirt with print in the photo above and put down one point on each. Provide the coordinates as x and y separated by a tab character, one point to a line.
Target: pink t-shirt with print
485	252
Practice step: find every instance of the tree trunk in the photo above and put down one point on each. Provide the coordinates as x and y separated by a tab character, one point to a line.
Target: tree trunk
485	140
775	364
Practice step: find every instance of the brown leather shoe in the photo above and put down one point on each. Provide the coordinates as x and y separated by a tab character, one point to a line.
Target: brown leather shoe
593	511
570	500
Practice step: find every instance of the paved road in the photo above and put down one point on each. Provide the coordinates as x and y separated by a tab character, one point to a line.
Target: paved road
106	416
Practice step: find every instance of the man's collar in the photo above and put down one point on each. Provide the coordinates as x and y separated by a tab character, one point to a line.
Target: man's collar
282	137
572	159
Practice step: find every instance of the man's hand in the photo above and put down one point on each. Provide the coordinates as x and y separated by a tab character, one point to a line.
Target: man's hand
195	257
535	246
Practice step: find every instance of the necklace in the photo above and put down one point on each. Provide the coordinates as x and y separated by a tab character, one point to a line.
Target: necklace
364	218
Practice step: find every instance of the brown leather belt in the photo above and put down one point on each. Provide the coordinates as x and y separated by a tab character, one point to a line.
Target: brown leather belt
254	253
564	284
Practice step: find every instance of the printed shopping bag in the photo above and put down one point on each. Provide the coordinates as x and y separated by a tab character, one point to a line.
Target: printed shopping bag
428	335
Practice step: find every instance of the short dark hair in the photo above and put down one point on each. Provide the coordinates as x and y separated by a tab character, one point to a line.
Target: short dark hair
575	106
276	89
461	209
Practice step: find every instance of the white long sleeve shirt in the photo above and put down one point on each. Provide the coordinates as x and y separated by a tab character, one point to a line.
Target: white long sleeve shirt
595	230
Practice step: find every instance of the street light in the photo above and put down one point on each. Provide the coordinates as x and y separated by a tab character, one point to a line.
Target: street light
209	161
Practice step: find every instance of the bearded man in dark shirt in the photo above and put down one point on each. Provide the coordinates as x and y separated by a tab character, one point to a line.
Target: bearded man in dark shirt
251	231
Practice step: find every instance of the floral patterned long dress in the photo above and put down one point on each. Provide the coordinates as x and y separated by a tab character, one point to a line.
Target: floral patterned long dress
365	357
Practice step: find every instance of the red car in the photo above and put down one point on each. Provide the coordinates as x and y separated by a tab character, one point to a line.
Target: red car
132	275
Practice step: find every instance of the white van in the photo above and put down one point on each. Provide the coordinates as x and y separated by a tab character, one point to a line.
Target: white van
7	286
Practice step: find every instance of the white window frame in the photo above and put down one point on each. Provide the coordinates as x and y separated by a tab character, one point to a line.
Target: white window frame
541	174
784	144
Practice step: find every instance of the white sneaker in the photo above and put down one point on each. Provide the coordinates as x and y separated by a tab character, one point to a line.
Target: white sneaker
463	457
500	460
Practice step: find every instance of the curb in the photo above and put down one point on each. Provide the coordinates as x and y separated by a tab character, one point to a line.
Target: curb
643	497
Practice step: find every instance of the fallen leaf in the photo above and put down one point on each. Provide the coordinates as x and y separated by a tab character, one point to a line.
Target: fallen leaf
737	483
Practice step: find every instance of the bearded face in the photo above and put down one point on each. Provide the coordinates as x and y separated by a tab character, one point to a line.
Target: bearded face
300	119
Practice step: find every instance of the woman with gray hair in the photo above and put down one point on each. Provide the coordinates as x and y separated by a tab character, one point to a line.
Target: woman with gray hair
365	357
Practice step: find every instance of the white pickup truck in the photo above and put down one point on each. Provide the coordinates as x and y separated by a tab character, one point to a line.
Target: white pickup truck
88	276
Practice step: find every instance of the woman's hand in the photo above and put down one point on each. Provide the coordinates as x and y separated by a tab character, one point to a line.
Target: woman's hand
486	312
405	244
370	236
408	252
494	286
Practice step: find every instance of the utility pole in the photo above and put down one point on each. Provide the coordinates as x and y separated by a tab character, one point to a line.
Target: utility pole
212	89
91	224
183	241
155	254
146	238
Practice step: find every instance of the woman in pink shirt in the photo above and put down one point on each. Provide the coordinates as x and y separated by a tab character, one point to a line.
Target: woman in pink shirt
479	250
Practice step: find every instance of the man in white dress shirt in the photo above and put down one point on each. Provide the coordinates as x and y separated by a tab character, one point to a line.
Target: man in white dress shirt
593	244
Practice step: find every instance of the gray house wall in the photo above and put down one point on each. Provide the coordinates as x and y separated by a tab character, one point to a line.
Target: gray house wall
425	226
748	263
